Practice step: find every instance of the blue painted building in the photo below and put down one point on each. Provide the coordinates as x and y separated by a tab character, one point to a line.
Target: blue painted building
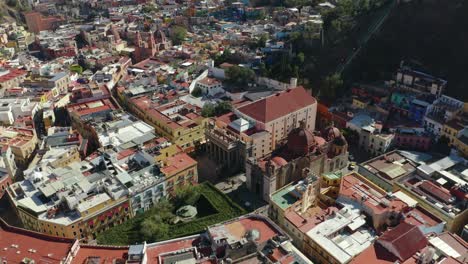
417	110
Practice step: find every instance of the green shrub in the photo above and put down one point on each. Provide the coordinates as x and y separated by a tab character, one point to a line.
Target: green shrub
154	224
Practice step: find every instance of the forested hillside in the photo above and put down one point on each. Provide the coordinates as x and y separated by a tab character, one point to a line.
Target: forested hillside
429	33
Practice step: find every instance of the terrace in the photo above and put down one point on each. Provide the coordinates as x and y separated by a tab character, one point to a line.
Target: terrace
440	193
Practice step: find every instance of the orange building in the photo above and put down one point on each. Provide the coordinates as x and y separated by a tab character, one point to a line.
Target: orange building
37	22
180	170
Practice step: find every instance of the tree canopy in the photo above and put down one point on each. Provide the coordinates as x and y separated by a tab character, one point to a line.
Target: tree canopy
149	8
227	56
419	33
331	85
187	195
178	34
197	92
239	75
156	227
210	110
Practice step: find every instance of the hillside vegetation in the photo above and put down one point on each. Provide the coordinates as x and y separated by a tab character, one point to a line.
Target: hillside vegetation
428	33
10	10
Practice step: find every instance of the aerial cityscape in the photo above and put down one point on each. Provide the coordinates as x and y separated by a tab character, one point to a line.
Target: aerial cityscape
222	131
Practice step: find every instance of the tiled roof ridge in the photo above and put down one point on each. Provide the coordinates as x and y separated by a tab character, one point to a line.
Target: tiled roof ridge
410	229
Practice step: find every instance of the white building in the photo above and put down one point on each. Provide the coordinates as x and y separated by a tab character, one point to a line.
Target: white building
12	108
124	132
7	163
419	82
342	236
370	133
210	86
444	109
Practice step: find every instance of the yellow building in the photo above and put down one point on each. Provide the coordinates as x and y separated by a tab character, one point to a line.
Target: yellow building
100	217
332	179
22	142
451	130
178	121
293	202
167	152
179	170
454	222
461	144
68	201
360	103
80	199
330	186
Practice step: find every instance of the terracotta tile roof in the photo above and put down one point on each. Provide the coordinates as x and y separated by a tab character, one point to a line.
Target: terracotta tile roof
12	74
17	244
90	107
313	217
355	187
456	243
225	65
375	254
278	105
125	153
178	163
420	217
227	118
105	254
155	250
209	81
277	255
238	228
403	241
161	140
436	191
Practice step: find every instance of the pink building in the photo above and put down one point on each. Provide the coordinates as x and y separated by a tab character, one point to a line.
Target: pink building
412	139
282	112
145	46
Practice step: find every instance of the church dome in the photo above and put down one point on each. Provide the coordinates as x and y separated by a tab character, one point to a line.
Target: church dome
330	133
300	141
279	161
